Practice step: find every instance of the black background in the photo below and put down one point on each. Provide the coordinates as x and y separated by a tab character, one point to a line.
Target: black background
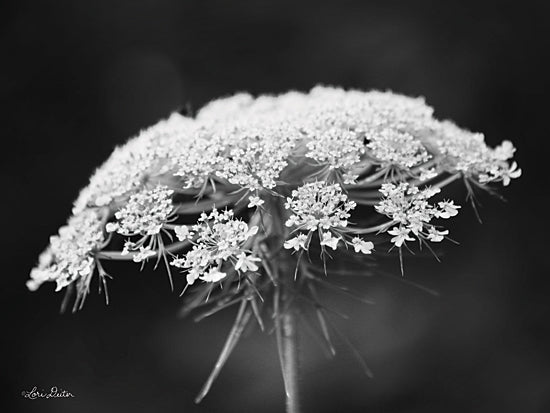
79	77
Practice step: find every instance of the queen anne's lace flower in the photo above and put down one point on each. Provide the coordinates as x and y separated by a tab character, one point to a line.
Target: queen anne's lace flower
145	213
254	162
467	152
326	152
220	238
338	148
318	205
408	207
391	147
324	208
243	151
141	159
247	152
70	254
199	160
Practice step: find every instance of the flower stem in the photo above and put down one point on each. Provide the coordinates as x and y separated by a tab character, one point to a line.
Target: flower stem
291	360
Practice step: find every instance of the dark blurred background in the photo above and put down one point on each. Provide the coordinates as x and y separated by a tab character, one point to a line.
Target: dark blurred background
78	78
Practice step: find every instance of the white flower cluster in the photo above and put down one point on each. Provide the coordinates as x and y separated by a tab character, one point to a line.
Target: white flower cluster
242	156
408	207
217	238
145	213
467	152
249	142
325	152
338	148
263	148
143	158
318	206
70	255
254	162
390	147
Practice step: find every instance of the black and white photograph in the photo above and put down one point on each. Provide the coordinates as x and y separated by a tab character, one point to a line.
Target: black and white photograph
275	206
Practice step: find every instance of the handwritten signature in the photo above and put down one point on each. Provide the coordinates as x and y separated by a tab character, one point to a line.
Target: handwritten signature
54	393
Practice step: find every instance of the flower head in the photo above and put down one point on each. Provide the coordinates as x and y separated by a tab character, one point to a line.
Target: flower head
409	207
220	238
325	151
392	147
70	255
318	205
337	148
467	152
145	213
140	159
